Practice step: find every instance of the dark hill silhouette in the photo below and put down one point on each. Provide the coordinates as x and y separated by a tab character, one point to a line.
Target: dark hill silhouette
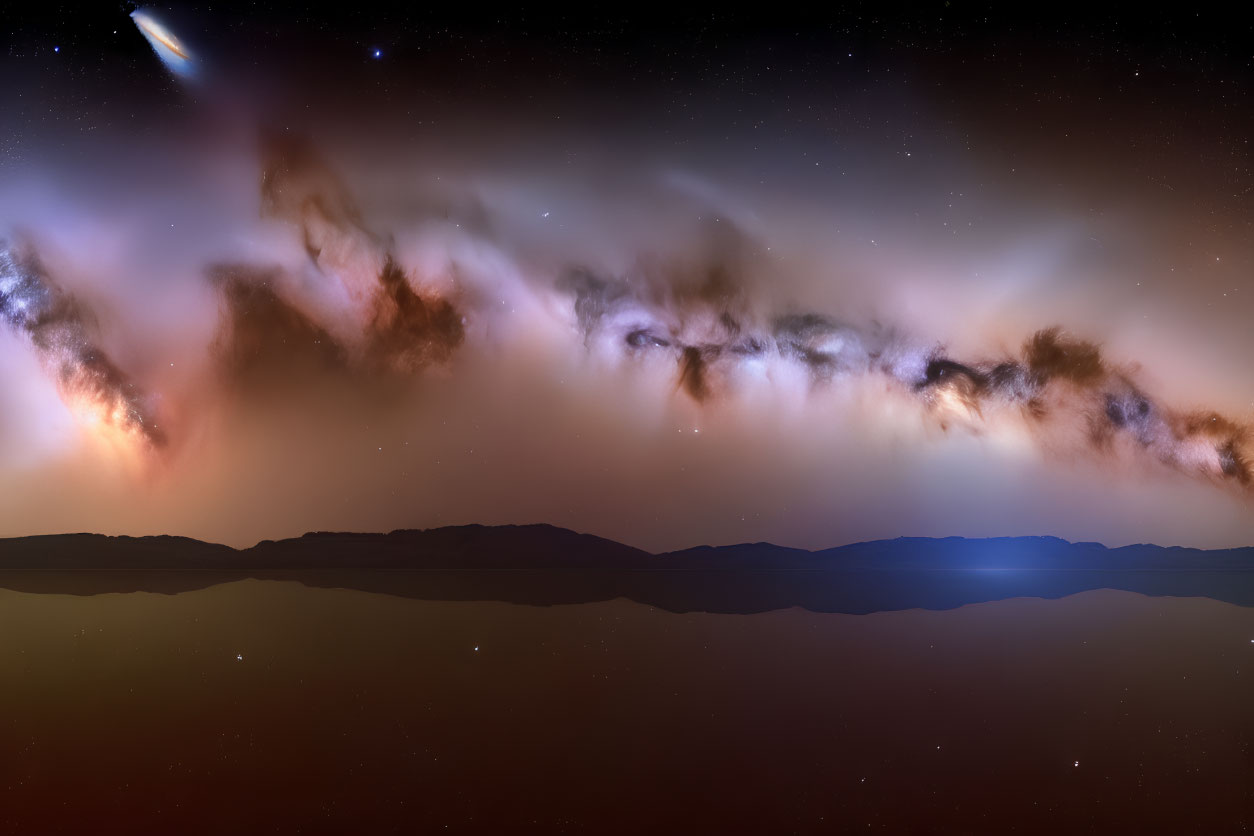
542	564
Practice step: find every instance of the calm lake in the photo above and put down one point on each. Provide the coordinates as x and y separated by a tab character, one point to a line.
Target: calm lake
270	706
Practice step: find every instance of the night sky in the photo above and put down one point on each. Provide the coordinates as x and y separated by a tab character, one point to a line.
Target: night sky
700	278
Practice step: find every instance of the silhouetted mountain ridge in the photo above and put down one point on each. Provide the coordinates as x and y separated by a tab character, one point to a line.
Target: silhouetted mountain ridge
540	547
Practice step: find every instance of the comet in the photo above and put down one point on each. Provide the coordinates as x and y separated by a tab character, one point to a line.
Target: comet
176	57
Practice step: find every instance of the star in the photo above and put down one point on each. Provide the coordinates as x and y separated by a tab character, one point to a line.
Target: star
376	53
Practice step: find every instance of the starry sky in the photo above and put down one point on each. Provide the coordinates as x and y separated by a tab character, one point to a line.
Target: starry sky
702	278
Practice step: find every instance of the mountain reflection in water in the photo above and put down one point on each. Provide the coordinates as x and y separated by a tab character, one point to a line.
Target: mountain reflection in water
256	706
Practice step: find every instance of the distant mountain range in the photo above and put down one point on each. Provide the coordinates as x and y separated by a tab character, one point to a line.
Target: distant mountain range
542	564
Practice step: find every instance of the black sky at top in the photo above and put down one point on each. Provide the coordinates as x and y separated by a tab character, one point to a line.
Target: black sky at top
1129	87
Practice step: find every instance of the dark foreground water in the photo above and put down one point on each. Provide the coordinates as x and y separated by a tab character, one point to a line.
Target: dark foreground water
268	706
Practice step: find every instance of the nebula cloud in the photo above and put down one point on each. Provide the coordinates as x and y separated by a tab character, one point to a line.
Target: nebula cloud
385	323
59	330
701	318
319	289
260	333
1056	380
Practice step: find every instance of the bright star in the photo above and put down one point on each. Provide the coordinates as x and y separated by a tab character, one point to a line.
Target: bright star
378	53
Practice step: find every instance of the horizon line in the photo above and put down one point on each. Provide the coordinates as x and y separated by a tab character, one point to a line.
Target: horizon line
394	531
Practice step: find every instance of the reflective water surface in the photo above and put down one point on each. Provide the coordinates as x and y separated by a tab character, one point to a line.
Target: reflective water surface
270	706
